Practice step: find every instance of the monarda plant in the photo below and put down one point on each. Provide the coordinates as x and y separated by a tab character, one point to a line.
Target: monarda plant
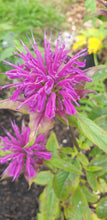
49	87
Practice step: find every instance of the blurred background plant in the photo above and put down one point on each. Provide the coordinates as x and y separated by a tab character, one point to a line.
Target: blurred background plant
18	18
95	37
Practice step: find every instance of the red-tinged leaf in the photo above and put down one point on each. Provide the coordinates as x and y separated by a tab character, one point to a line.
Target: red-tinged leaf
39	123
9	104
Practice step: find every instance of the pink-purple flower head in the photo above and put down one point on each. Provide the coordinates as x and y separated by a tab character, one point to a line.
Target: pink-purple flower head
22	158
50	85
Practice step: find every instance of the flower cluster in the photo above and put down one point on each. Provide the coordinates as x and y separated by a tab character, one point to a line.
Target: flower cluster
22	157
50	85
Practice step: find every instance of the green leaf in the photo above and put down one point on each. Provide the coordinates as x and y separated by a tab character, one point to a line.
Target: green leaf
77	207
97	112
83	159
101	208
49	203
102	122
93	168
88	17
3	153
95	151
84	143
67	150
101	98
52	144
43	178
92	181
90	4
64	183
77	164
6	53
90	130
102	18
102	185
99	115
101	161
39	216
64	165
5	26
91	197
100	75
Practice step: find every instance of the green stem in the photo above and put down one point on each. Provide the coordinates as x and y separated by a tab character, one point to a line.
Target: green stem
95	59
74	139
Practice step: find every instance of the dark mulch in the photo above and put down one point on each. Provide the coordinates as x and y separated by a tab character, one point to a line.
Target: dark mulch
17	202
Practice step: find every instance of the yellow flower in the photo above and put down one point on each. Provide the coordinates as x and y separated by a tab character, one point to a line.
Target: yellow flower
94	217
81	40
94	44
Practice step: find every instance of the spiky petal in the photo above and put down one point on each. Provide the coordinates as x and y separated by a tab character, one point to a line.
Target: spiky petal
48	85
21	156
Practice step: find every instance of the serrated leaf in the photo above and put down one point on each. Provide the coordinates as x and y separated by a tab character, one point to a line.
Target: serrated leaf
67	150
101	208
43	178
83	159
90	130
77	207
52	144
49	203
101	161
100	75
102	122
97	112
102	185
64	165
91	197
77	164
64	183
93	168
95	151
101	98
92	181
99	115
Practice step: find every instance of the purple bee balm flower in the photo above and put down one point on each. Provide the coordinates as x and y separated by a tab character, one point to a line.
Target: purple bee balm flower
50	85
23	157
